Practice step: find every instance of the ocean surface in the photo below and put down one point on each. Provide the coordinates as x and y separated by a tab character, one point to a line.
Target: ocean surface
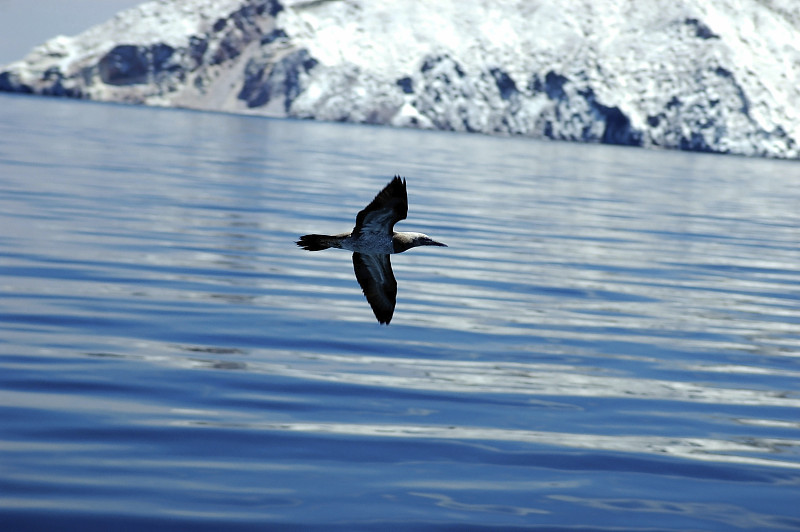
611	341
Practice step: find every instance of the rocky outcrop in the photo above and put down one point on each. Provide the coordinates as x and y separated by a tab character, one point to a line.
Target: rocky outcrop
706	76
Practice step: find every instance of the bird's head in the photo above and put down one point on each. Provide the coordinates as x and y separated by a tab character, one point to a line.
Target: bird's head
404	241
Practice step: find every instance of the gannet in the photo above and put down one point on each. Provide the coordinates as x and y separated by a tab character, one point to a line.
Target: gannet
372	240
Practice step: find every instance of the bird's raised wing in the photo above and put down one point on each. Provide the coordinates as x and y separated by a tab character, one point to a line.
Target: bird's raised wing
389	207
374	274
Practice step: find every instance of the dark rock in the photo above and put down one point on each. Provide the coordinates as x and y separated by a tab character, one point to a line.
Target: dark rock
125	64
618	128
554	85
406	84
266	80
700	29
275	35
431	63
161	54
128	64
505	84
219	25
695	142
9	82
197	49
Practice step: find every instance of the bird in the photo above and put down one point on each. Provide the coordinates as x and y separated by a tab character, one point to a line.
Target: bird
372	240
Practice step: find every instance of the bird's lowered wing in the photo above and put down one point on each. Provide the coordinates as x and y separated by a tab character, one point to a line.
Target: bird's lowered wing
374	274
389	207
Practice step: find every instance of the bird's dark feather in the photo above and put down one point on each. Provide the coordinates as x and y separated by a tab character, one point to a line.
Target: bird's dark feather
375	276
389	207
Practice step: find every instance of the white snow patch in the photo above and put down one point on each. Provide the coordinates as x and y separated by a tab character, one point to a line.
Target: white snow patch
720	76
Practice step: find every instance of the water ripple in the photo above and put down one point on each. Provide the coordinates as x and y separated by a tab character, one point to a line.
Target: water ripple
610	341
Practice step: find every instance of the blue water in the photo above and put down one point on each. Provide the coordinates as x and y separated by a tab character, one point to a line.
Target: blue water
611	341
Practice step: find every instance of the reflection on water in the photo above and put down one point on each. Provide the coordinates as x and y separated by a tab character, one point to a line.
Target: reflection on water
605	322
540	380
499	378
692	448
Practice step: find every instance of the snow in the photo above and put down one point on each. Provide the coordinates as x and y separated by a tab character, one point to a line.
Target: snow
718	76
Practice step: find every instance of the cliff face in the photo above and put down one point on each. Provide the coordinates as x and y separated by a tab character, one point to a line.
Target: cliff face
718	76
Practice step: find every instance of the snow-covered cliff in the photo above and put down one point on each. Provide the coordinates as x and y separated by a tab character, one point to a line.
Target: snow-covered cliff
719	76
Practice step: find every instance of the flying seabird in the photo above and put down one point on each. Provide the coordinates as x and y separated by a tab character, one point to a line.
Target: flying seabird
372	240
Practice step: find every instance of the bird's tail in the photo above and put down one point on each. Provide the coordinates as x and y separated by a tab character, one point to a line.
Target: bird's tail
318	242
